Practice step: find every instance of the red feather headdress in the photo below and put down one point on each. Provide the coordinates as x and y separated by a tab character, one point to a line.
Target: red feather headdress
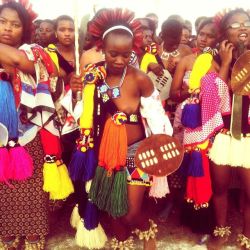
107	18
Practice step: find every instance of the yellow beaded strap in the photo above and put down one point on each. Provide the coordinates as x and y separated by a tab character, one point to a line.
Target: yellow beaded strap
149	234
36	245
244	241
222	231
122	245
10	244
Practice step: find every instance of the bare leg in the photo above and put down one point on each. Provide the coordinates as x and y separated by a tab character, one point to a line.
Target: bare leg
245	178
136	217
220	180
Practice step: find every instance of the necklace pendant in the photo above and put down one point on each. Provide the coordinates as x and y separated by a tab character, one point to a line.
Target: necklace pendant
115	92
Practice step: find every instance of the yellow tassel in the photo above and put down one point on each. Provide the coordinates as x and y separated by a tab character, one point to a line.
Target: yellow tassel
51	50
51	177
66	187
75	217
91	239
146	60
86	119
201	66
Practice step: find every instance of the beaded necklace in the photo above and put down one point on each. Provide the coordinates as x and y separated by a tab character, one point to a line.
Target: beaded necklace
115	91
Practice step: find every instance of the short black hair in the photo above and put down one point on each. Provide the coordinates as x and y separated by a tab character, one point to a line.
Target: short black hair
52	22
24	17
171	28
61	18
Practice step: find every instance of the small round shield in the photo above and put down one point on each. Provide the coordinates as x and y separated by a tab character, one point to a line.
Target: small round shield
3	135
162	83
159	155
240	78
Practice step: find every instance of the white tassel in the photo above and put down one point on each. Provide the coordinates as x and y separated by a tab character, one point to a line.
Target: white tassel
91	239
246	152
236	152
159	188
220	151
75	217
88	186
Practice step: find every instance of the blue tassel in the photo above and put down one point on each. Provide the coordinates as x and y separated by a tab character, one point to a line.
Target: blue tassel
191	115
8	112
82	165
76	165
90	165
195	167
183	169
91	216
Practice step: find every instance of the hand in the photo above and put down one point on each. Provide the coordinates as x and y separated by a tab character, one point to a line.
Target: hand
155	68
76	83
226	52
171	65
184	89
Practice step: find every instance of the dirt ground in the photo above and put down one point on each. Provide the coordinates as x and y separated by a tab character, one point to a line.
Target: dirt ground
172	234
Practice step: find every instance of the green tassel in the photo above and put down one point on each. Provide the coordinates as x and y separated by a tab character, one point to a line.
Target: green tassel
119	195
101	188
95	185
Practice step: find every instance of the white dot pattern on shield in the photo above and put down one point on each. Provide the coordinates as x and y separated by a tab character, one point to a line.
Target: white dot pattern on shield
148	158
241	74
170	151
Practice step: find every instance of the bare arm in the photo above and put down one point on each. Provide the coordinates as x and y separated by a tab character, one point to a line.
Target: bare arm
145	84
16	58
225	52
178	92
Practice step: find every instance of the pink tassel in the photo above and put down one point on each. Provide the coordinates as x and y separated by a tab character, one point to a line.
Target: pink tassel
4	164
21	164
159	188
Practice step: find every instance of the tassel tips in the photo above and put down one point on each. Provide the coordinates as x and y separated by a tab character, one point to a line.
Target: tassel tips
91	239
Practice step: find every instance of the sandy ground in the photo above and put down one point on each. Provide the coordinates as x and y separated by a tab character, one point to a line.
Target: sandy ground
172	235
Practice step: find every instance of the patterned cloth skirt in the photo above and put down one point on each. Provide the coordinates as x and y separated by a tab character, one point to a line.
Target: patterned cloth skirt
134	175
24	207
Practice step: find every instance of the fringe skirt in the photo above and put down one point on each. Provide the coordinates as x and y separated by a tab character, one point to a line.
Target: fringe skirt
23	209
226	150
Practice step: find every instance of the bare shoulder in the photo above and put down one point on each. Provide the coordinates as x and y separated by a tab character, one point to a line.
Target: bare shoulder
142	80
185	49
92	55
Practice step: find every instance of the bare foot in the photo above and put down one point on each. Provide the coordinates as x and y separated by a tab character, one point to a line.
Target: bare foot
149	244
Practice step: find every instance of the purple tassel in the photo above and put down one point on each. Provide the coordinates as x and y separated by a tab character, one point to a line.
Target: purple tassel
4	164
191	115
90	165
183	169
21	164
76	165
91	216
195	167
82	165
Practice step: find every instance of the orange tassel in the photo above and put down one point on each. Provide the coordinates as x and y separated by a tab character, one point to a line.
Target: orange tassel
113	148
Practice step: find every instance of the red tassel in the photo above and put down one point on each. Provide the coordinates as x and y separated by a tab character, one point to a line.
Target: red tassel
51	144
199	189
21	164
4	164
